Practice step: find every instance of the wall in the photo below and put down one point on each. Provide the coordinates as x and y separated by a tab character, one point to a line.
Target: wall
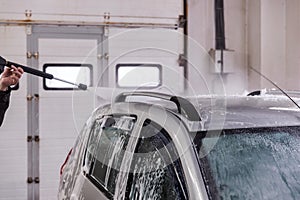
273	32
273	41
263	34
292	45
201	30
253	43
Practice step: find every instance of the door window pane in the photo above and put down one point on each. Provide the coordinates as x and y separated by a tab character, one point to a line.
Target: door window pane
105	150
156	173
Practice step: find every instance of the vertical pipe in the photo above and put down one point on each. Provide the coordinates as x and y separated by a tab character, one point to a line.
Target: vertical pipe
185	44
220	25
220	31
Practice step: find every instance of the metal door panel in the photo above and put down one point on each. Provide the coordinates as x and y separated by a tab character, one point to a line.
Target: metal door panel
57	128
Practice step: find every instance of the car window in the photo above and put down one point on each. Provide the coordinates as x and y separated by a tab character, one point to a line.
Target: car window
253	163
105	150
156	172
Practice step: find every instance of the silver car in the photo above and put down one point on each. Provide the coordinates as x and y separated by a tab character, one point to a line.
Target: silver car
169	148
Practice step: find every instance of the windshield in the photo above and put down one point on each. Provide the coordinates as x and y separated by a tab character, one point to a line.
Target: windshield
257	163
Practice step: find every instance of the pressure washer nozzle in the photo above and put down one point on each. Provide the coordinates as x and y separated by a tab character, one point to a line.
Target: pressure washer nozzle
82	86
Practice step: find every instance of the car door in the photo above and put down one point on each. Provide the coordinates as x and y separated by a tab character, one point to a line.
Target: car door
156	171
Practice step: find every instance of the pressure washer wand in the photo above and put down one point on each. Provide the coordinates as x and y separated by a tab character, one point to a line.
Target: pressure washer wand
80	85
36	72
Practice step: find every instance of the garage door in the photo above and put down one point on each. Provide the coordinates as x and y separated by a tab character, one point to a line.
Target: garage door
68	53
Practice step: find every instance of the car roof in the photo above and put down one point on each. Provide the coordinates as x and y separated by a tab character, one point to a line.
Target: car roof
232	112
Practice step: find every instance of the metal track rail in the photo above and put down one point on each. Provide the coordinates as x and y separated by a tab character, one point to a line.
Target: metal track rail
82	23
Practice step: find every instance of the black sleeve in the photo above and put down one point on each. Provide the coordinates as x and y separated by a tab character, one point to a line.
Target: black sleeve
4	103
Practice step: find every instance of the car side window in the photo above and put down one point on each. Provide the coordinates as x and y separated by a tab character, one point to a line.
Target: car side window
156	171
105	150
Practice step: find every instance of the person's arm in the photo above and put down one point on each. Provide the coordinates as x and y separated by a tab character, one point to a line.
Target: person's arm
10	76
4	103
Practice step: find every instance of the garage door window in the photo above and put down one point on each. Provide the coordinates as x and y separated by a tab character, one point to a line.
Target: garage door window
71	72
138	75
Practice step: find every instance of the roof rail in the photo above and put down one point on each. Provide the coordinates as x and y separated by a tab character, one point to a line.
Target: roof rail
184	106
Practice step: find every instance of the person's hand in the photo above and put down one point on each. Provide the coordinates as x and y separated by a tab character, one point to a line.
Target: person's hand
10	76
